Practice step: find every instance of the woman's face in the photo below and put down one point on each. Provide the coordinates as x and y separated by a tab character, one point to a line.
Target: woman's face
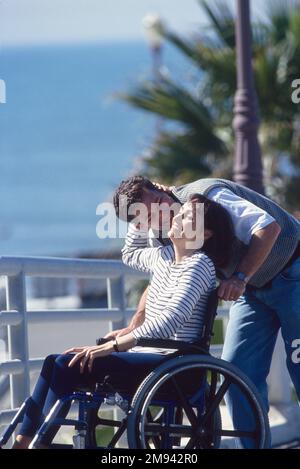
188	226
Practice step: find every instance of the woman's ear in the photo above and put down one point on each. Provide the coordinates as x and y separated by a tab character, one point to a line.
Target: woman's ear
207	234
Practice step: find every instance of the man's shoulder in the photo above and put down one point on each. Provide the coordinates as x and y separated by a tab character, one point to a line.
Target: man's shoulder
194	183
200	186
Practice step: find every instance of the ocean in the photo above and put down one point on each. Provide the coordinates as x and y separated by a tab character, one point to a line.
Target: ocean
66	142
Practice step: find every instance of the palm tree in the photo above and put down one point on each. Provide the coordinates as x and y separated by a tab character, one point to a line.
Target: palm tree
201	144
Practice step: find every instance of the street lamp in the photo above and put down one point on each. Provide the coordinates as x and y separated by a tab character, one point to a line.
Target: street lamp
248	165
153	26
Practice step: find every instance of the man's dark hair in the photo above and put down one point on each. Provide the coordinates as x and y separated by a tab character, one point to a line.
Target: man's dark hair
216	218
133	188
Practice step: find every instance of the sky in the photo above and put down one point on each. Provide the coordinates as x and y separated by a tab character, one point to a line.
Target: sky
65	21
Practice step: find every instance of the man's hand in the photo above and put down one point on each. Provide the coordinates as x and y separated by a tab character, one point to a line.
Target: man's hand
260	246
161	187
231	289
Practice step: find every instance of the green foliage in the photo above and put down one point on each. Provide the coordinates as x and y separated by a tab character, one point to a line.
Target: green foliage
200	141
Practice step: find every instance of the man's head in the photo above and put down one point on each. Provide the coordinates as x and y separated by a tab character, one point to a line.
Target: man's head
140	190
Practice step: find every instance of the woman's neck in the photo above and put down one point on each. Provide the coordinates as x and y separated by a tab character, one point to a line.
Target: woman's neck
181	252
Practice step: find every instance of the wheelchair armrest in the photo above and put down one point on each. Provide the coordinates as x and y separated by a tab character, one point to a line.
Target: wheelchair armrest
102	340
179	345
161	343
168	344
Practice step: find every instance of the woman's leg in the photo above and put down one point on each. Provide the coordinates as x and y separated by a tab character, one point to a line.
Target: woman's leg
55	381
129	368
36	402
58	380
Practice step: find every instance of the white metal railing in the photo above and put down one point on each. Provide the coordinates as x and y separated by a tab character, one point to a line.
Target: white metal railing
16	317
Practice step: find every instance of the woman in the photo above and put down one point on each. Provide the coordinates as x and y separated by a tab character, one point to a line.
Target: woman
183	275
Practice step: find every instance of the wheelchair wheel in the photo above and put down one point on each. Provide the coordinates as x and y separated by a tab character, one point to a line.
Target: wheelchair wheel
175	383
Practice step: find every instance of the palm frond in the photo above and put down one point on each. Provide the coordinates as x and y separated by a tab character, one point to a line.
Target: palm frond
176	155
171	101
222	20
278	13
185	46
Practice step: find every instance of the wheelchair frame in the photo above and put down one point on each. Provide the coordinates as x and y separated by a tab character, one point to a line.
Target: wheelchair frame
169	427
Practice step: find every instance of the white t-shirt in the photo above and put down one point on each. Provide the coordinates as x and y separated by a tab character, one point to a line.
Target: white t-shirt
247	218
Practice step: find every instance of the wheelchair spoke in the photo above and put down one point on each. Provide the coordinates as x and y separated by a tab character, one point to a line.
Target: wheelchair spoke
155	438
216	400
118	434
185	404
156	431
192	444
237	433
213	386
152	429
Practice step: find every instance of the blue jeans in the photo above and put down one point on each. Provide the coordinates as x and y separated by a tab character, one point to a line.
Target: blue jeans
254	321
57	380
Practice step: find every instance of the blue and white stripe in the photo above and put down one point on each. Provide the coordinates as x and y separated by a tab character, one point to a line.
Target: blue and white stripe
177	297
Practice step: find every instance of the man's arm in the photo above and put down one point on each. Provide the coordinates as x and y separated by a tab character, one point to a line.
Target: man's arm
261	244
136	320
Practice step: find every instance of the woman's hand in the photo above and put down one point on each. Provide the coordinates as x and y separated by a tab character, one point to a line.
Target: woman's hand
87	355
118	333
75	349
113	334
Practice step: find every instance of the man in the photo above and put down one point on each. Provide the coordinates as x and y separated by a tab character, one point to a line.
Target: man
263	279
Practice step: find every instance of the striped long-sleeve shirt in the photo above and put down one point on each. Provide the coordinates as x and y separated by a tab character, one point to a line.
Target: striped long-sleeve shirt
178	292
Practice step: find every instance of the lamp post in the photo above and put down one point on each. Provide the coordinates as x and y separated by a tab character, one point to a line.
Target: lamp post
152	25
248	169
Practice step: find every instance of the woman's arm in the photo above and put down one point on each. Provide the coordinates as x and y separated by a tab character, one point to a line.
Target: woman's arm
137	319
197	278
135	252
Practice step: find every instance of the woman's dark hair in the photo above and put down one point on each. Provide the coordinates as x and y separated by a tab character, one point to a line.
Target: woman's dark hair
129	192
216	218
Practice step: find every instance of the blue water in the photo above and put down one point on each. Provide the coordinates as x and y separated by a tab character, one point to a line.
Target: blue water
65	143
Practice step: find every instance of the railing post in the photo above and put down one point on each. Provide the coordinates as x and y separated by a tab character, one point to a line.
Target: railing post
116	299
18	339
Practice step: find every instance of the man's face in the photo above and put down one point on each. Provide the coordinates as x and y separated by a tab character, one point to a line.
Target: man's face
161	208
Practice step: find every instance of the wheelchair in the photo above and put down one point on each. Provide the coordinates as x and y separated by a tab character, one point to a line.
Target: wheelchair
177	406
